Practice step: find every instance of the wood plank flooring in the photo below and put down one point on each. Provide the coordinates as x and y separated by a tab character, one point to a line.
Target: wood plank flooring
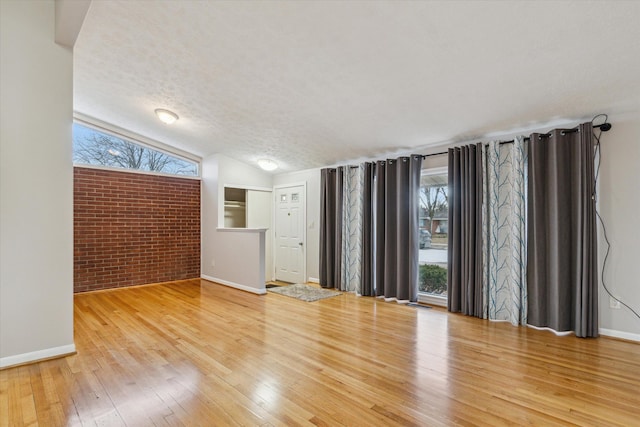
195	353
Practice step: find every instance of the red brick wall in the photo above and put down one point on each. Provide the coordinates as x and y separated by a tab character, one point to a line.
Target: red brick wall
132	229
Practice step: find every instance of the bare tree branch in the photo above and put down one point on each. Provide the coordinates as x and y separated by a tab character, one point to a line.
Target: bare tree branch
106	150
433	199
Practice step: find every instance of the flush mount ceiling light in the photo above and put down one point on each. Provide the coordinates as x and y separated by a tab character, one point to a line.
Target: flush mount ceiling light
267	164
166	116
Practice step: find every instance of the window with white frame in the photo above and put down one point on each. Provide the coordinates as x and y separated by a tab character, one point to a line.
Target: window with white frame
97	148
434	216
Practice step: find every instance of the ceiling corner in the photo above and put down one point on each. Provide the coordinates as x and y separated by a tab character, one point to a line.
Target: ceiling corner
70	15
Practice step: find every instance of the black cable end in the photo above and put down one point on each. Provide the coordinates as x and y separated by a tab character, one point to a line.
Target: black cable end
605	127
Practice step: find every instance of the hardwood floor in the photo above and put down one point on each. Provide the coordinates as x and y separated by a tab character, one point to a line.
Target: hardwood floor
200	354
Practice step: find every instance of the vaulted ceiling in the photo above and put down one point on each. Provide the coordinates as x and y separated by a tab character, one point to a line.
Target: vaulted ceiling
315	83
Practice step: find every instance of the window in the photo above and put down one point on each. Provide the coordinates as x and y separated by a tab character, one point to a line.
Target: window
93	147
434	217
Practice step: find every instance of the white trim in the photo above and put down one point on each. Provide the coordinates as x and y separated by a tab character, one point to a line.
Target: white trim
293	184
235	285
242	230
620	334
38	355
392	299
432	300
248	187
313	280
544	328
138	171
119	132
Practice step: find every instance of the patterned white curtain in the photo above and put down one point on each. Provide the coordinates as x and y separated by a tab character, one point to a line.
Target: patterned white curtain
352	199
504	229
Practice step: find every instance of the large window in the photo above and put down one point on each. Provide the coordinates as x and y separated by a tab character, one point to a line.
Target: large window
93	147
434	215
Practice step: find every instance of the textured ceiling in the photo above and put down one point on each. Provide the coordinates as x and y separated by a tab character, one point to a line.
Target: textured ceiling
312	84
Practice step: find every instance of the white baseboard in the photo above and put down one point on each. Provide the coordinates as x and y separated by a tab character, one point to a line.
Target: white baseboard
544	328
235	285
314	280
619	334
35	356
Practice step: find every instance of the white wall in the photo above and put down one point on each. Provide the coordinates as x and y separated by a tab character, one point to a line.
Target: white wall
260	215
619	206
312	178
235	258
36	186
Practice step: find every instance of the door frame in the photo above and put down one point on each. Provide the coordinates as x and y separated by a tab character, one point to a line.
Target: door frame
302	184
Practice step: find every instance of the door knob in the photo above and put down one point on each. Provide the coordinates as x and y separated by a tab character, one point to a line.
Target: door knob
300	243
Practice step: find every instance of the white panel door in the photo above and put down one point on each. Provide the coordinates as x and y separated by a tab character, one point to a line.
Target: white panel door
289	234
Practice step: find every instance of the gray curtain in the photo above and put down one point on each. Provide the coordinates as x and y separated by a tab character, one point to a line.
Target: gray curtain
465	230
367	285
396	218
562	246
331	227
379	235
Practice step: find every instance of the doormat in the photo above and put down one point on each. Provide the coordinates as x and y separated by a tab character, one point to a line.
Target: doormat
304	292
417	304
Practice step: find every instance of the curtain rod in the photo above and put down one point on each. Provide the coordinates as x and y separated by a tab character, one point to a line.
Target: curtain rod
604	127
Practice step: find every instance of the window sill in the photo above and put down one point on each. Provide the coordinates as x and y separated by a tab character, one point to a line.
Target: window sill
432	299
242	229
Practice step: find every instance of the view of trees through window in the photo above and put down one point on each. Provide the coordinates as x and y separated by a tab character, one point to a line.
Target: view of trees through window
92	147
434	217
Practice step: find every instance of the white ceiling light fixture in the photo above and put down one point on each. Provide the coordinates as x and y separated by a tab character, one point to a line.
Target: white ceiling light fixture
166	116
267	164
